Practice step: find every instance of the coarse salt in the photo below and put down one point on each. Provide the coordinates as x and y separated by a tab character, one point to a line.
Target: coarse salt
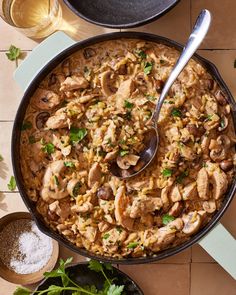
36	250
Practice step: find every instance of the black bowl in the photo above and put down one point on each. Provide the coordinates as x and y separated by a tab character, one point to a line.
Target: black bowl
15	147
82	275
120	13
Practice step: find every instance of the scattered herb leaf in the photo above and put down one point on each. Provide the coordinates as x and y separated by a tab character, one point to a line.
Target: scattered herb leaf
69	164
26	125
151	97
55	178
1	158
148	68
13	53
12	184
141	54
176	112
167	218
181	177
76	189
106	236
167	172
77	134
32	139
128	116
128	104
123	153
48	148
132	245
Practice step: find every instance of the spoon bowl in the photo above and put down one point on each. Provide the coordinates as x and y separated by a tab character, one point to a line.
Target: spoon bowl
151	140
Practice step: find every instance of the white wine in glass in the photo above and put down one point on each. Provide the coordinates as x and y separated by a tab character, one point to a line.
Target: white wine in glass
35	18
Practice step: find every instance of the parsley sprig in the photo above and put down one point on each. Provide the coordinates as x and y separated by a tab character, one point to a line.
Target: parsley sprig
12	184
69	285
13	53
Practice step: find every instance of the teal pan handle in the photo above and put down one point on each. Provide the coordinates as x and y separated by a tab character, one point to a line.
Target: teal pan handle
219	243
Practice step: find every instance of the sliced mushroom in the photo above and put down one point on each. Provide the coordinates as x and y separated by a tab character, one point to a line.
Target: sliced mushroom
126	161
105	193
121	203
176	209
226	165
220	97
41	119
224	122
194	130
73	83
89	52
95	175
192	223
190	191
224	141
209	206
219	148
107	83
73	187
203	184
65	66
45	99
220	183
175	194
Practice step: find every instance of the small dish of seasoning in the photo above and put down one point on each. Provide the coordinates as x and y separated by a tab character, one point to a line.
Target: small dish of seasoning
25	252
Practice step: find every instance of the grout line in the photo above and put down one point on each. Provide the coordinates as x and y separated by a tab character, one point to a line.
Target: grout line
22	50
6	121
9	192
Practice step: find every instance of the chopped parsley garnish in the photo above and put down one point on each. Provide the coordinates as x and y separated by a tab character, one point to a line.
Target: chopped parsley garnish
167	172
26	125
209	117
128	116
141	54
13	53
123	153
48	148
69	164
168	102
148	68
132	245
119	229
151	97
76	189
77	134
181	177
32	139
167	218
176	112
128	104
12	184
55	178
106	236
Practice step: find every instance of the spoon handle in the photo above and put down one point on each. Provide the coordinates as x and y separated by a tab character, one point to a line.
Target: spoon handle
195	39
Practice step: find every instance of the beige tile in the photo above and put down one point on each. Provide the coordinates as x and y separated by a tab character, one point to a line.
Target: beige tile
5	151
11	202
182	257
211	279
174	25
222	31
157	279
10	92
224	61
66	253
78	28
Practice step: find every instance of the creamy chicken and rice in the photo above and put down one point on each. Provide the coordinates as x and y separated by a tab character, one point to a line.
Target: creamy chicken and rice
94	109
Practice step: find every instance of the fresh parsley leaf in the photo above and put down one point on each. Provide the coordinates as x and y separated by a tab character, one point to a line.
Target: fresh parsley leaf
167	172
48	148
115	290
76	189
119	229
167	218
108	266
32	139
106	236
55	178
69	164
141	54
151	97
123	153
148	68
95	265
22	291
176	112
13	53
12	184
1	158
54	290
208	117
128	104
181	177
26	125
132	245
77	134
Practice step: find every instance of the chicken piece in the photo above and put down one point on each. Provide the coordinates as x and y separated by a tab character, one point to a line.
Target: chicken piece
73	83
142	206
112	239
126	161
45	99
124	91
220	183
187	152
110	136
89	233
95	175
175	194
84	208
192	222
110	156
58	120
176	209
209	206
63	210
164	196
203	184
121	203
190	191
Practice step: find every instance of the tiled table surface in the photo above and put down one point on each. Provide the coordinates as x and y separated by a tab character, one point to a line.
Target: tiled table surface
193	272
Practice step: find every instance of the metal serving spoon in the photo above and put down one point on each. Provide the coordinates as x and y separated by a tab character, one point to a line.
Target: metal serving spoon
151	137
